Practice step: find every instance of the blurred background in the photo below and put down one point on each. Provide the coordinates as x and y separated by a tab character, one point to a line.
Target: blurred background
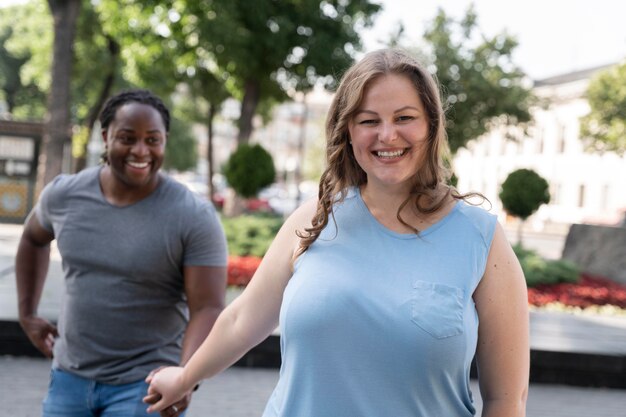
535	97
529	86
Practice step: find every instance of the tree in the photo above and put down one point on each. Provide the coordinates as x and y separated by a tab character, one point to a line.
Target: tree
106	56
181	150
94	70
522	193
209	93
98	54
10	66
605	125
58	127
26	42
270	48
481	84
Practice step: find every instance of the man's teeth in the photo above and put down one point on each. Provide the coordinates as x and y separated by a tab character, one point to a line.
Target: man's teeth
390	154
139	165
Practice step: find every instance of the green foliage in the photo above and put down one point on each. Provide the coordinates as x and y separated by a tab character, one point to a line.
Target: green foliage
605	125
481	84
250	234
264	50
25	45
249	169
32	36
538	270
453	180
181	149
523	192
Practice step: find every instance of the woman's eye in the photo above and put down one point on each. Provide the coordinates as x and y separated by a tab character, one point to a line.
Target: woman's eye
153	141
405	118
368	122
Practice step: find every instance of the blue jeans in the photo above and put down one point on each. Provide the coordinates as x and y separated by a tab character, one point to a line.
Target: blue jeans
72	396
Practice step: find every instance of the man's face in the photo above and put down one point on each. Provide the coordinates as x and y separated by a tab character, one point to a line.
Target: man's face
135	142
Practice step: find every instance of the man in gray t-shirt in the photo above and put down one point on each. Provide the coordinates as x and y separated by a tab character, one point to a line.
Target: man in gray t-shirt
144	261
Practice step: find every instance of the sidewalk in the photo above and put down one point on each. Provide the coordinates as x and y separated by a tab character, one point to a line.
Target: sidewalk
242	392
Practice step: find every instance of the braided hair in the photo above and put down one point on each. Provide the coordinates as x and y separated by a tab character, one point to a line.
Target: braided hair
133	96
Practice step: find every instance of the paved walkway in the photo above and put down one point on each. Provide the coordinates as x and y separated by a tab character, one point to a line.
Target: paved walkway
242	392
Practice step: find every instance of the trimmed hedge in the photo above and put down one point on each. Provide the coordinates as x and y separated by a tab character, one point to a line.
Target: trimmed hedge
250	235
538	270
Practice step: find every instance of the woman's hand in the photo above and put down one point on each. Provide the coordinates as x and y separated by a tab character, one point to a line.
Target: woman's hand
166	385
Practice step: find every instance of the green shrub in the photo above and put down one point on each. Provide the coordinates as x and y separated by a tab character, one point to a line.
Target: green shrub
249	169
523	192
538	270
250	234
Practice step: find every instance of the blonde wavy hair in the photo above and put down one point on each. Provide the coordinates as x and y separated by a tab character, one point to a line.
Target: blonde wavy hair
430	191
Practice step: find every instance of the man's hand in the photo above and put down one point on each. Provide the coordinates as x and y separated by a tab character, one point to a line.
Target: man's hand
173	410
40	332
155	399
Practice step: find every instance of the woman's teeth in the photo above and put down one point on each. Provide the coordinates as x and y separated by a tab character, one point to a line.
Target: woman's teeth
390	154
139	165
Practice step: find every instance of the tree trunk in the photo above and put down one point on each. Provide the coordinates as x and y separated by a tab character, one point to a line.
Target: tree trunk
251	96
520	225
10	99
209	153
58	129
80	162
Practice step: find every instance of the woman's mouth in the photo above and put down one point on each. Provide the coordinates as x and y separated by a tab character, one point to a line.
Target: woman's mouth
390	154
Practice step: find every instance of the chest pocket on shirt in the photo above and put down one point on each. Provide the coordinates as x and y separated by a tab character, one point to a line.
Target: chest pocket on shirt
437	309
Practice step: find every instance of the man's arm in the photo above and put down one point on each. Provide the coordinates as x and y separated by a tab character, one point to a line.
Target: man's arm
31	268
205	288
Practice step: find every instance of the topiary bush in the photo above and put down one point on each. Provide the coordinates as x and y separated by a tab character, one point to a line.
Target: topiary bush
522	193
249	169
538	270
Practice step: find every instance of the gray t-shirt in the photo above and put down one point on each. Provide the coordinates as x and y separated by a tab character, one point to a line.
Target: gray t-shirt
124	311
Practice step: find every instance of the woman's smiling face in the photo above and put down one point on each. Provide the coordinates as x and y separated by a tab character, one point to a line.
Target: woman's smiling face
389	131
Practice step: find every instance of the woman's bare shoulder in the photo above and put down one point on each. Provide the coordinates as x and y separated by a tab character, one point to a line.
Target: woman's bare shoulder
301	218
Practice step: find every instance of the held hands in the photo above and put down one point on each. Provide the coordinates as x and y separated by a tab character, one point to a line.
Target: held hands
40	332
166	392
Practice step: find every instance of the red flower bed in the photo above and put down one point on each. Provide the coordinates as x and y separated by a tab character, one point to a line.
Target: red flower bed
241	269
589	291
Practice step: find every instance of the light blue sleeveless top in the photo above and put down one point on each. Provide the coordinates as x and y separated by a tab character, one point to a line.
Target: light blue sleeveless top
376	323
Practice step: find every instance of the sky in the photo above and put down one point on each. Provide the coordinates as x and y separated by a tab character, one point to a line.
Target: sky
555	36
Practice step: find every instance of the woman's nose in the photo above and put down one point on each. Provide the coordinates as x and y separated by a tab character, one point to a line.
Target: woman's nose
388	132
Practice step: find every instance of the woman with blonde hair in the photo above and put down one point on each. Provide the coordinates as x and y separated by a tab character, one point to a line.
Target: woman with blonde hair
388	284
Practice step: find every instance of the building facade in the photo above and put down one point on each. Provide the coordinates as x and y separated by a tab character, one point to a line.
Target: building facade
585	187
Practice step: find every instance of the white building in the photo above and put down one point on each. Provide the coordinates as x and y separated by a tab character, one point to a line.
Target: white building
585	187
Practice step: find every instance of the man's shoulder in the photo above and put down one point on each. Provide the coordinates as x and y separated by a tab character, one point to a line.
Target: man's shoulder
179	196
65	183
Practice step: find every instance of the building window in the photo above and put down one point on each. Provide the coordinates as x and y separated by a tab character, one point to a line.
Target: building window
581	195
